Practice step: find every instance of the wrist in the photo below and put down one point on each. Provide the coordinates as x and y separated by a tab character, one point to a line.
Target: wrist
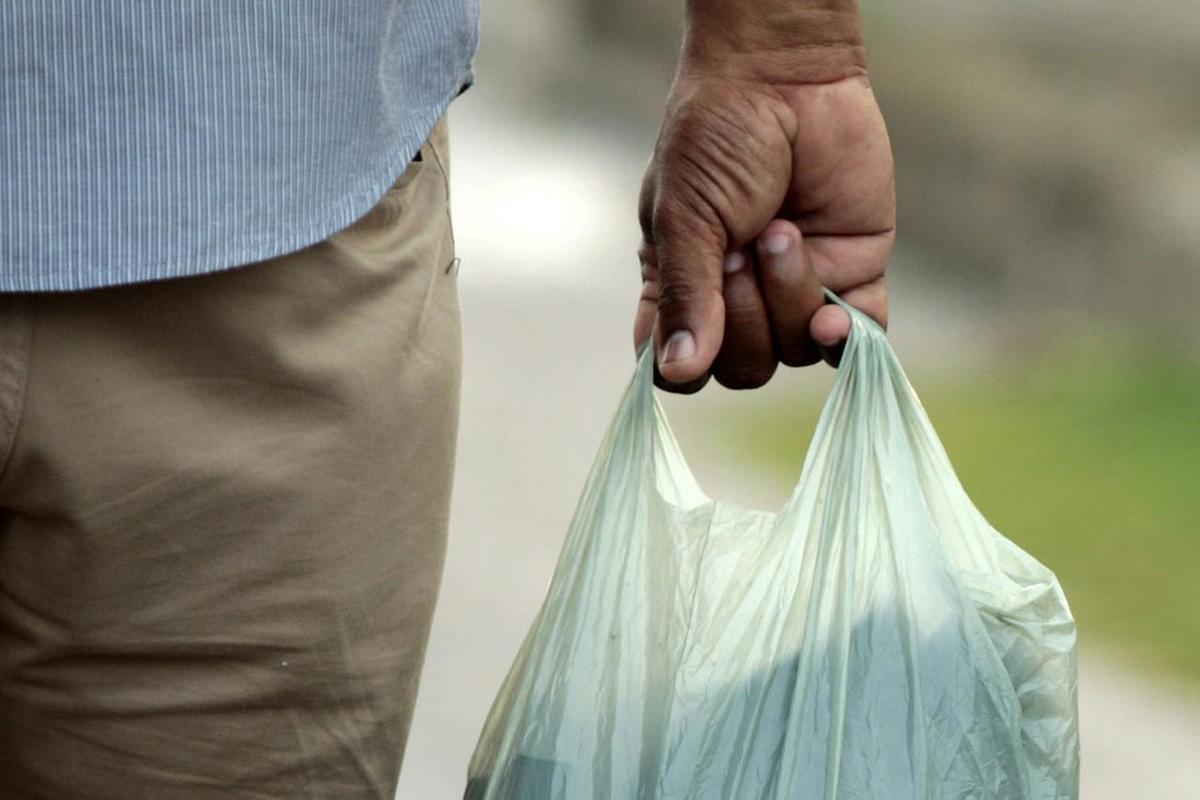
775	41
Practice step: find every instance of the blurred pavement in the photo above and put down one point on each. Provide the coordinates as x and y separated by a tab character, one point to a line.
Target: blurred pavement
546	232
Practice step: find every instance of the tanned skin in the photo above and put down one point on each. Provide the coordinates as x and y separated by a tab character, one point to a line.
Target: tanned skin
772	177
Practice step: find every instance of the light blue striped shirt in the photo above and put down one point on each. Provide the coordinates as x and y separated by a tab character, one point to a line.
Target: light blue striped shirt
149	139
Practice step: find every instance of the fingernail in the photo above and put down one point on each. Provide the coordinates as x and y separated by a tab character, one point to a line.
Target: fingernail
735	261
681	345
777	244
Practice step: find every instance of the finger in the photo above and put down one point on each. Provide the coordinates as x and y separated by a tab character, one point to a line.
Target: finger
830	327
791	291
691	311
747	358
647	316
691	387
831	324
871	299
647	307
646	197
846	263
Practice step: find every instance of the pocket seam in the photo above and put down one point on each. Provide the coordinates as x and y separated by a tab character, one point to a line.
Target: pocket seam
441	165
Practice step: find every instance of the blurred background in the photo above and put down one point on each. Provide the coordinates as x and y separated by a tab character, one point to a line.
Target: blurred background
1044	296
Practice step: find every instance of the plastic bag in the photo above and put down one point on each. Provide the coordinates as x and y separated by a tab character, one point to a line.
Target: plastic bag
875	638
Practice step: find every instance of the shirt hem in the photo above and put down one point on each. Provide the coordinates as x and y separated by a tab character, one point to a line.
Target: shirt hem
336	216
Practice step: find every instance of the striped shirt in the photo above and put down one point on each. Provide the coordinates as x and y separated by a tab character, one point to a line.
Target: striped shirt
150	139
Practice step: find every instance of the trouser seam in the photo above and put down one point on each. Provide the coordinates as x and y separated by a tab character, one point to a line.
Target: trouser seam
14	360
444	169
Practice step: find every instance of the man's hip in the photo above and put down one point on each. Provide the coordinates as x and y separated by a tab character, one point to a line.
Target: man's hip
224	513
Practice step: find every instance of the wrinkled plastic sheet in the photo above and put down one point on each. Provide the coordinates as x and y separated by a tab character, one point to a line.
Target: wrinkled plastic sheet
875	638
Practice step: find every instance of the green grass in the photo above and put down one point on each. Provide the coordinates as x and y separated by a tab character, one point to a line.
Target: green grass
1090	461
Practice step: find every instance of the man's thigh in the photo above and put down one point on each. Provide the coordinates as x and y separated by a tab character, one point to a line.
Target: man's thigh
224	514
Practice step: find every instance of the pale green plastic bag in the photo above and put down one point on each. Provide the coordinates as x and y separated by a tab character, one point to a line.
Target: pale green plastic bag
876	638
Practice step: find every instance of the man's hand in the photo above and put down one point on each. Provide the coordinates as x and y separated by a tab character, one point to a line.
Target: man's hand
772	177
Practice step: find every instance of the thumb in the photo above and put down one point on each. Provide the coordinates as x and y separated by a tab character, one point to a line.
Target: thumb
691	309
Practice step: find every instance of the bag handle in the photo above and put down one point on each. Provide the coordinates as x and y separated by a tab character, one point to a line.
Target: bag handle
868	365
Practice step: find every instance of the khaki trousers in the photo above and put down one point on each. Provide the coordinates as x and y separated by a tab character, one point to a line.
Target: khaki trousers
223	511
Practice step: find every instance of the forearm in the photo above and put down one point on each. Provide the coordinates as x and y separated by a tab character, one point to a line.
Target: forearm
780	41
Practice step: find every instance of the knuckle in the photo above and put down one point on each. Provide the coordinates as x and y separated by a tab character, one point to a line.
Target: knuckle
799	356
878	310
646	209
685	212
724	147
741	375
744	311
677	298
648	260
649	295
691	387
